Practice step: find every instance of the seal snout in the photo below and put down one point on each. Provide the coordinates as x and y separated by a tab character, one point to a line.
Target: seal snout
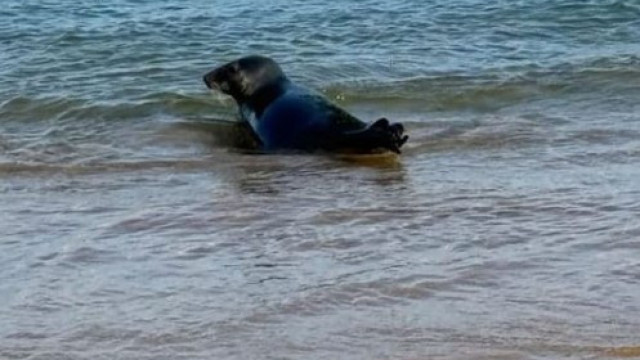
211	80
216	80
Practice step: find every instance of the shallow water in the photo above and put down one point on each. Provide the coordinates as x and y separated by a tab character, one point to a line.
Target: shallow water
508	229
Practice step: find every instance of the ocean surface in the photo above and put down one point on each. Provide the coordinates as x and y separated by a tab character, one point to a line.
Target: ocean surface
509	228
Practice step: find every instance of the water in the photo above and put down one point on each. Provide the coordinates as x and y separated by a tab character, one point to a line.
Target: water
508	229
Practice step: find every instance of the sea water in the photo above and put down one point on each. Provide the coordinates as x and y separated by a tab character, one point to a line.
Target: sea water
509	228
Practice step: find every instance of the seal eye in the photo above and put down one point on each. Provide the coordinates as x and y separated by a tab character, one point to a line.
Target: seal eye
234	68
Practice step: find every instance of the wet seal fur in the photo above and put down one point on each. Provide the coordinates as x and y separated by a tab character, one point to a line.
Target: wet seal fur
284	115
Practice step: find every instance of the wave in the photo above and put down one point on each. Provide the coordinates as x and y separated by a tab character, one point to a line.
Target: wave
495	88
486	90
26	168
51	108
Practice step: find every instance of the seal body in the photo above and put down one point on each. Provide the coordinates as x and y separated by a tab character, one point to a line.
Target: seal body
284	115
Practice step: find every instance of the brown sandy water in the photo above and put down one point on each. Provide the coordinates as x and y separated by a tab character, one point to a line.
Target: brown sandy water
469	245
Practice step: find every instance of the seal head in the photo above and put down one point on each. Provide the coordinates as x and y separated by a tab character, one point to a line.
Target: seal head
245	78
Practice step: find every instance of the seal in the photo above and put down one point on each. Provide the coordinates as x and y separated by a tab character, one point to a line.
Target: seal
284	115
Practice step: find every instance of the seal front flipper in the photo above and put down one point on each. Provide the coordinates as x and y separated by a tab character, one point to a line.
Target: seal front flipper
244	137
379	135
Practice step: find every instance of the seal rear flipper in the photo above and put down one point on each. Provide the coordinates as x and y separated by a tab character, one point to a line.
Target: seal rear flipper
380	134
